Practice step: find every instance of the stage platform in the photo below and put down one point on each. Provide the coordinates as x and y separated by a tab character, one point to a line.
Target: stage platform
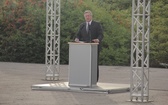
108	88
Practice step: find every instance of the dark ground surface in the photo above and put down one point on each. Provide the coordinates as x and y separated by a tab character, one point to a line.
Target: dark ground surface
16	80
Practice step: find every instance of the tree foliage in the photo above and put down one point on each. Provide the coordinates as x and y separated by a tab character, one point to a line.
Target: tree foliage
159	30
22	29
116	43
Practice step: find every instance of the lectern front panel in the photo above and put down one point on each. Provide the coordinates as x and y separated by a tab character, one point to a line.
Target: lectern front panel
82	65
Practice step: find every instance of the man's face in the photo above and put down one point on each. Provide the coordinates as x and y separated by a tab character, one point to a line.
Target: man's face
88	17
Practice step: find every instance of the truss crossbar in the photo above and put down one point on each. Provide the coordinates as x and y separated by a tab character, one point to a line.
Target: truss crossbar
52	59
140	50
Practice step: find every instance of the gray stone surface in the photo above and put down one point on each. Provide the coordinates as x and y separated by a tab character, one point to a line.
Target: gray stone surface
16	80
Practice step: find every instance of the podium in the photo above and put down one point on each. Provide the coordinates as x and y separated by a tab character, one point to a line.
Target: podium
82	75
82	64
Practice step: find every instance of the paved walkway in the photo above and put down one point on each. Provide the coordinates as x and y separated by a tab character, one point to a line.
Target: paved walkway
16	80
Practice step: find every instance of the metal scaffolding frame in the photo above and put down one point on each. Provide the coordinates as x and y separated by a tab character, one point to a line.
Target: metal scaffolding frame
139	89
52	59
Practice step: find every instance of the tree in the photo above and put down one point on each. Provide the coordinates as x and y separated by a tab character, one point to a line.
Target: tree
22	31
159	30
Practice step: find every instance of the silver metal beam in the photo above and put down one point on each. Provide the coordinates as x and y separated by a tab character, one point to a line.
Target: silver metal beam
52	59
139	89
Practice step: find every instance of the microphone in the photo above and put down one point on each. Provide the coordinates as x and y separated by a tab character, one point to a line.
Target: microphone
81	27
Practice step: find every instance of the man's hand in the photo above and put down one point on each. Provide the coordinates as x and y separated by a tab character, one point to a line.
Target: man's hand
76	40
95	40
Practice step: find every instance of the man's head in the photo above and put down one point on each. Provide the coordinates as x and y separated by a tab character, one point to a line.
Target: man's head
88	15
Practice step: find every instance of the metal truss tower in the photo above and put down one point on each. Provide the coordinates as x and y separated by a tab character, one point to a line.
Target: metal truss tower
139	90
52	59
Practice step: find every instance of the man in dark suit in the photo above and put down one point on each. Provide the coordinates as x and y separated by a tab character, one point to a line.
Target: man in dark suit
90	32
